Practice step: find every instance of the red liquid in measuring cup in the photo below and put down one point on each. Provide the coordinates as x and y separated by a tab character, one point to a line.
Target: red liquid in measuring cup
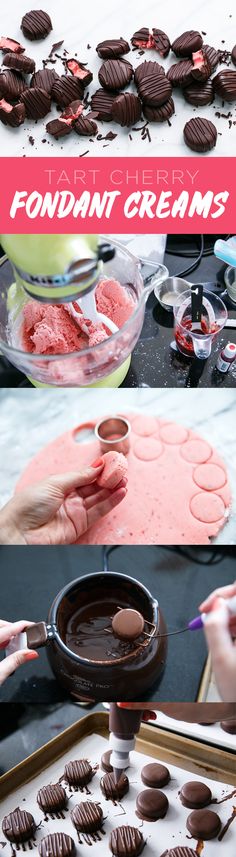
185	341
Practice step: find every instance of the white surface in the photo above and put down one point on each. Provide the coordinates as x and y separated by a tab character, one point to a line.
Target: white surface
160	835
212	734
93	22
29	419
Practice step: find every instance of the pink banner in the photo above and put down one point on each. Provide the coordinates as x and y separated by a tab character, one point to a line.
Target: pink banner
117	195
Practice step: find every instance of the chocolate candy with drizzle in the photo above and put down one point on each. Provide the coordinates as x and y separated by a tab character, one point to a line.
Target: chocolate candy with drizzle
52	799
180	851
56	845
37	102
142	39
155	90
201	67
87	817
224	84
19	826
159	114
12	84
146	69
180	74
126	109
200	134
36	25
57	128
102	102
85	126
44	78
126	841
66	89
20	62
198	94
112	789
78	774
186	44
212	55
12	116
161	42
115	74
112	48
79	70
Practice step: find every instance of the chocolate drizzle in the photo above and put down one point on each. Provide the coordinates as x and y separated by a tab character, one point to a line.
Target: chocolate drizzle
114	789
227	825
18	826
88	818
127	841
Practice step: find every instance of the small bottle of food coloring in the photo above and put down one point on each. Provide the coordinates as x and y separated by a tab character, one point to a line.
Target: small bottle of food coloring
226	357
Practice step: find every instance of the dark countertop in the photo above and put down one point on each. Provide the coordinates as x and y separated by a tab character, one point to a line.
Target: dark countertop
32	576
154	363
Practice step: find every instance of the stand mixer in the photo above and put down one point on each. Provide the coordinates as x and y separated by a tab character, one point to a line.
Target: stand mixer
61	269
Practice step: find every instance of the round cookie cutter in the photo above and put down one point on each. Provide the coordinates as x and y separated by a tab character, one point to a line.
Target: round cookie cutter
113	433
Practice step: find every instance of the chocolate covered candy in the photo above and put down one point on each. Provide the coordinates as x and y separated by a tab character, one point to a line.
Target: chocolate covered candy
201	67
112	48
36	25
78	773
151	804
200	134
126	841
37	102
105	761
80	71
224	84
155	90
180	74
142	39
155	775
233	55
199	94
66	89
212	55
126	109
180	851
85	126
87	817
161	42
114	789
52	798
7	44
44	78
12	84
159	114
115	74
20	62
102	102
187	43
18	826
229	726
72	111
195	795
56	845
58	128
203	824
145	69
11	115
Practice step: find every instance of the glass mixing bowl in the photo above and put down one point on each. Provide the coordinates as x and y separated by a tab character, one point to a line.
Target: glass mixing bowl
105	364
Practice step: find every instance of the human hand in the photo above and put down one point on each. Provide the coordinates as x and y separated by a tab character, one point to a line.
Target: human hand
219	627
12	662
59	509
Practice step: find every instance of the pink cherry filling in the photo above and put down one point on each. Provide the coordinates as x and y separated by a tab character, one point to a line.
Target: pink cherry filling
7	44
69	118
198	59
5	106
76	69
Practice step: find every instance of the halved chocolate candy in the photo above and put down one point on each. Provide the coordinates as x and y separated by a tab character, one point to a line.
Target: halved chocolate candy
212	55
7	44
112	48
66	89
161	42
126	109
36	25
20	62
142	38
187	43
12	84
115	74
80	71
85	126
12	116
73	111
44	78
37	102
201	70
58	128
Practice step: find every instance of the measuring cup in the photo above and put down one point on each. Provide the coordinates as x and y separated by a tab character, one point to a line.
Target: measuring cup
197	341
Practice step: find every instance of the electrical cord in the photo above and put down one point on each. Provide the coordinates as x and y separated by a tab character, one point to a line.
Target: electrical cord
192	254
215	556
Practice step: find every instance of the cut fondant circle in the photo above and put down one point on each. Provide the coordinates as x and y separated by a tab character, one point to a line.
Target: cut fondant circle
164	504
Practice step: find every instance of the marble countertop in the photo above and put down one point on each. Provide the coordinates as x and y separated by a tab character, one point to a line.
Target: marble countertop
30	419
79	28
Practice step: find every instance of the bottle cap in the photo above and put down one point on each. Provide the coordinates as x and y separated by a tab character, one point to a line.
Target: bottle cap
230	349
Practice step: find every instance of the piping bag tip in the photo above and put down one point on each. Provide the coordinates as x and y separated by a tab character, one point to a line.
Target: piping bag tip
117	774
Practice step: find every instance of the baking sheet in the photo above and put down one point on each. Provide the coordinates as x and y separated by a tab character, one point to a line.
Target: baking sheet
160	835
212	734
80	28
